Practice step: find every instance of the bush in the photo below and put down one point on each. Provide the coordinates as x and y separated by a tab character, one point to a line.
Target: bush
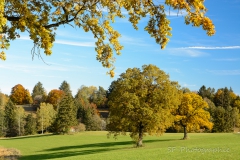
80	127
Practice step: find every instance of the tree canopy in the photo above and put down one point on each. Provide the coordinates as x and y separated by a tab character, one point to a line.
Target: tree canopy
41	19
54	97
191	113
20	95
141	101
65	87
38	93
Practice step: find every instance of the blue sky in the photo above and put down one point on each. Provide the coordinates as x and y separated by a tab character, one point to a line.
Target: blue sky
191	57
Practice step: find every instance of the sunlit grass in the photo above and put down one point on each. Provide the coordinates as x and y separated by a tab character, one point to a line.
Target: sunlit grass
96	145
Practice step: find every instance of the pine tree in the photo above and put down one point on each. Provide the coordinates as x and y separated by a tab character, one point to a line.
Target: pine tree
2	125
31	125
10	119
39	94
66	116
65	87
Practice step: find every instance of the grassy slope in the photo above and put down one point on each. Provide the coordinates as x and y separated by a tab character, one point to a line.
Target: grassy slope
95	145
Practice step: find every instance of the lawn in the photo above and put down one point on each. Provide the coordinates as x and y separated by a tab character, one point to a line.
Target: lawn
96	145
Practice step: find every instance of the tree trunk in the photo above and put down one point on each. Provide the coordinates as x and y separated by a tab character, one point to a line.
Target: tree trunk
140	135
185	132
140	138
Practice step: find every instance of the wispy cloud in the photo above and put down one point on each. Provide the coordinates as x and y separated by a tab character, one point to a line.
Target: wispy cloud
48	76
188	85
24	37
133	41
31	69
175	13
187	52
225	72
66	59
211	48
66	42
72	43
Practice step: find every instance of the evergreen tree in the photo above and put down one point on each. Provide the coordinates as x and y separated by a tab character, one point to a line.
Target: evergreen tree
206	92
39	94
225	119
10	119
31	125
65	87
100	98
66	116
2	124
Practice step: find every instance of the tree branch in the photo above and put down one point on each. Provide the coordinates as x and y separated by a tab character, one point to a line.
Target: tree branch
12	18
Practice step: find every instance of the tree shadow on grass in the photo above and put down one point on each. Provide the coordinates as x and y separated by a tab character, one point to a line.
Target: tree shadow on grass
26	137
85	149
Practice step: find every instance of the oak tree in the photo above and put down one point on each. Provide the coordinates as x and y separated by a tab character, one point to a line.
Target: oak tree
41	18
141	102
191	114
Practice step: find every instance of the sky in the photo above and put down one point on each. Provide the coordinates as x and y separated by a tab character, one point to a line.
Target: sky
191	57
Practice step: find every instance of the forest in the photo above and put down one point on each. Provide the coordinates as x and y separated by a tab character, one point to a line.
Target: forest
139	99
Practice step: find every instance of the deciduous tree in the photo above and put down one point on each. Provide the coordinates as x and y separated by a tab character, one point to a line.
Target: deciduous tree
45	116
54	97
20	95
141	101
191	114
28	98
20	117
41	18
99	97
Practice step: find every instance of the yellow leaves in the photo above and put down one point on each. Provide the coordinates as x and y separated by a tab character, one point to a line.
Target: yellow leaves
39	17
3	20
191	112
3	56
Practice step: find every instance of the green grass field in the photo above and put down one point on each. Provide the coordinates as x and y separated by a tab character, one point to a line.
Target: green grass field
96	145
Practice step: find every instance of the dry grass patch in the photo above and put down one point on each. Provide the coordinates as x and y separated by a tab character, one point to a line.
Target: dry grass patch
9	154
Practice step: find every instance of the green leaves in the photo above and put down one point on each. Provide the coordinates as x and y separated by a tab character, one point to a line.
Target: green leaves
142	98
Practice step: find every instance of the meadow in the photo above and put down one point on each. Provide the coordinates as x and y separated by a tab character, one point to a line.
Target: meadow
96	146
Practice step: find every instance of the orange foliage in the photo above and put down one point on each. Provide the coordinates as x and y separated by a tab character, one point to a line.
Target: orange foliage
20	95
54	97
